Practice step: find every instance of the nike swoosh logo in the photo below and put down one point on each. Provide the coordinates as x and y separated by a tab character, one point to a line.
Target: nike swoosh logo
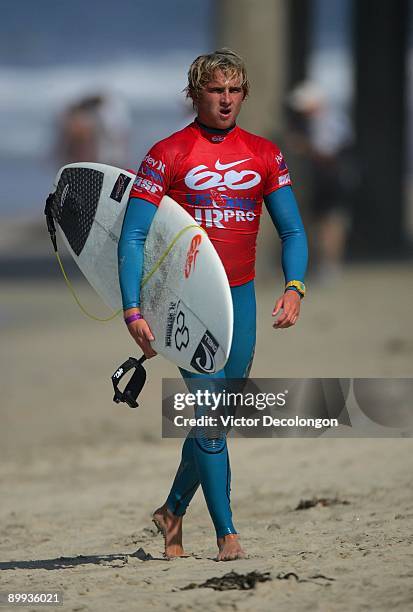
220	166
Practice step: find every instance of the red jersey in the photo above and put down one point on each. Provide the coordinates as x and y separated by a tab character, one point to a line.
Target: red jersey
221	180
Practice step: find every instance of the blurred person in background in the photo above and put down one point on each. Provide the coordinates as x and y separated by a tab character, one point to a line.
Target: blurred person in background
220	174
320	135
94	129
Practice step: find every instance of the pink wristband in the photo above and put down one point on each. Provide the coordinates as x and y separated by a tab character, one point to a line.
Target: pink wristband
133	317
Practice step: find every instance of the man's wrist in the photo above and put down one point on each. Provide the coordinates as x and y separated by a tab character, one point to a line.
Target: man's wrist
132	314
136	316
295	285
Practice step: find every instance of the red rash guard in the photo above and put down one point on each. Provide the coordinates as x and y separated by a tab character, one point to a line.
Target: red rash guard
221	180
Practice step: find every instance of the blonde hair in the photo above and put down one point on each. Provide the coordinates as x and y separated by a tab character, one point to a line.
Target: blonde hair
203	68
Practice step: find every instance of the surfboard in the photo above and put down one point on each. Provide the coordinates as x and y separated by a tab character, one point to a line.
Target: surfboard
185	295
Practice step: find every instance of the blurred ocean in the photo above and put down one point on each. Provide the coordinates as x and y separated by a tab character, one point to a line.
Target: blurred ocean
54	52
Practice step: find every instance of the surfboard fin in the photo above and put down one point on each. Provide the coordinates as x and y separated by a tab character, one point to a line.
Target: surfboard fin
135	384
50	221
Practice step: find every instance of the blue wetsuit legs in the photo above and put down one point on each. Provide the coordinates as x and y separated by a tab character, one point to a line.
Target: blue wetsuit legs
205	458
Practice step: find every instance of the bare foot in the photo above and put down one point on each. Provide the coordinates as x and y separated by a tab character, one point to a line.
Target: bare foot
170	526
229	548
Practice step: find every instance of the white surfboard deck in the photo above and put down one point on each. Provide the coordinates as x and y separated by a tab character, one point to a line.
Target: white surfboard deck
186	300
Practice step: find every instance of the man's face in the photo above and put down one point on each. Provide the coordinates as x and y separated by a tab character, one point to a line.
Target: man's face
219	102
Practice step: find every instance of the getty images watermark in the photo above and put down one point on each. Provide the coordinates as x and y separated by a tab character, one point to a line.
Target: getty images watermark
291	407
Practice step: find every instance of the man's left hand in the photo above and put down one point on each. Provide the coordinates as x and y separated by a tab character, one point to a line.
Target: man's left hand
290	302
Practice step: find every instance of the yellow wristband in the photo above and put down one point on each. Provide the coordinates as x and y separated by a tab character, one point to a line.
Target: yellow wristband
298	285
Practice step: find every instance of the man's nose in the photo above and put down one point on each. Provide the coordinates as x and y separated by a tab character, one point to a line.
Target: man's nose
225	97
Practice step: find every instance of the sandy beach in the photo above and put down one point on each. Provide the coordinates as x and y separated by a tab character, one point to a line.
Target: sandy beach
80	475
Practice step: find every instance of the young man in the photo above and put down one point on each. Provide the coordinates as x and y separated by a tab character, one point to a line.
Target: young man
220	174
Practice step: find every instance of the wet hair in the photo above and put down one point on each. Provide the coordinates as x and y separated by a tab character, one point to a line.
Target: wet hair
203	68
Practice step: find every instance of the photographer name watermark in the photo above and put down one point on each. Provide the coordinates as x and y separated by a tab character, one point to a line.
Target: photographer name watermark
264	420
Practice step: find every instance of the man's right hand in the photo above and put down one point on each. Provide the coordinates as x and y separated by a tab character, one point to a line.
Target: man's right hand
141	333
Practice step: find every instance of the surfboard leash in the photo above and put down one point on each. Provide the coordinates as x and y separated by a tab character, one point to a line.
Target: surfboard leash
52	231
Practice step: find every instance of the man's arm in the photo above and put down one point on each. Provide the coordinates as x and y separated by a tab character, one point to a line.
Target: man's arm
282	207
136	224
